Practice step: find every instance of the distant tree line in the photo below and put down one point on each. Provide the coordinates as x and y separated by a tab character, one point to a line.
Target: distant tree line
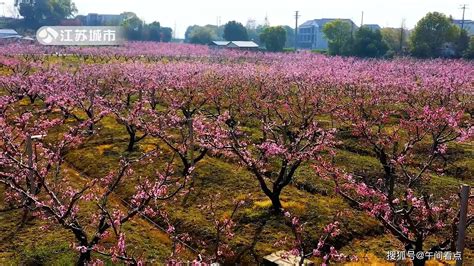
273	38
137	30
38	13
435	35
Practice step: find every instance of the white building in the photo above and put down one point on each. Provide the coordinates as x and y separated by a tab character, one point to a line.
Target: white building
311	36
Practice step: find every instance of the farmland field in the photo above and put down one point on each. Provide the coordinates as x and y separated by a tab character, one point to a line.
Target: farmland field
167	153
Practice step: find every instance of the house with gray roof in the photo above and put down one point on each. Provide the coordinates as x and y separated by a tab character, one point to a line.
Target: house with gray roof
243	45
247	45
9	34
219	44
311	36
468	25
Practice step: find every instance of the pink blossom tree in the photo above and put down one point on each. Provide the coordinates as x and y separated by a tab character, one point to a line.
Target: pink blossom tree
24	79
224	231
47	189
126	102
80	93
324	250
408	130
184	101
269	123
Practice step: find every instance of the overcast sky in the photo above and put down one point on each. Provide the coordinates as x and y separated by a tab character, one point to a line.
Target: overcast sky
183	13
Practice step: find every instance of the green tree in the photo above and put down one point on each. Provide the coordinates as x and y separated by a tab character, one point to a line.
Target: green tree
274	38
255	32
166	34
133	26
202	35
469	53
339	35
369	43
38	13
462	42
189	30
395	38
235	31
431	33
290	37
153	31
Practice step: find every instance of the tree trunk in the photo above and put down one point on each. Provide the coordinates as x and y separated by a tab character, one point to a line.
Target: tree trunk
131	142
419	248
91	129
276	203
90	114
418	262
84	258
32	99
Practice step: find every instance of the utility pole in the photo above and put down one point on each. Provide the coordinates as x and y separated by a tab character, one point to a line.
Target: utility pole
297	16
174	33
362	19
463	7
3	5
402	33
266	23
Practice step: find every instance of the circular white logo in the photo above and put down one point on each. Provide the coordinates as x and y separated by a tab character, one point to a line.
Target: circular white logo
47	35
420	255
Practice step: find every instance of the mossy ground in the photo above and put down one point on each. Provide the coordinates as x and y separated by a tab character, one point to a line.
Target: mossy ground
361	234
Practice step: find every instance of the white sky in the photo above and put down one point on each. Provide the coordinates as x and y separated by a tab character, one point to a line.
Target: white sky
183	13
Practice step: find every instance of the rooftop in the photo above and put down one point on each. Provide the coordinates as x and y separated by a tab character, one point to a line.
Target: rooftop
321	22
220	43
8	32
468	25
243	44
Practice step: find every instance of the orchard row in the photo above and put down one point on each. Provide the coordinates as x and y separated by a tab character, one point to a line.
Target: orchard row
270	113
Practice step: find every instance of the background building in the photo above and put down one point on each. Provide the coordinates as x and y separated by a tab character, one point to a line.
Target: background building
468	25
311	36
8	33
242	45
93	19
